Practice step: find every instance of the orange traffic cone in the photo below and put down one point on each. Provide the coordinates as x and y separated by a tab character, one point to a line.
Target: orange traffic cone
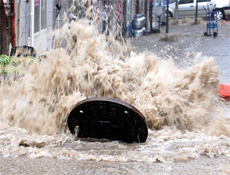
224	91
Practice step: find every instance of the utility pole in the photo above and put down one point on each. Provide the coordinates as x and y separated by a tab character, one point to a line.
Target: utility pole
4	36
124	18
167	17
176	11
196	12
151	15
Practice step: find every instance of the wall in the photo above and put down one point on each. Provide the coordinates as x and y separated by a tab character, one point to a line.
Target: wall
43	40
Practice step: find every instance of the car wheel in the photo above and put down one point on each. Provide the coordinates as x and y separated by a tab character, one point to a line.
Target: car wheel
218	14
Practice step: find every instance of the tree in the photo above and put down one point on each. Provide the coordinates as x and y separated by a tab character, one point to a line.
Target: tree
4	36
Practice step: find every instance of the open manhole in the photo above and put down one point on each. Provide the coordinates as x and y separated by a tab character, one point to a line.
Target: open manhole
107	118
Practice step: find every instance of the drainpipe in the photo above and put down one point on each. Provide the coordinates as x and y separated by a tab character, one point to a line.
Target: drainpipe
18	22
32	23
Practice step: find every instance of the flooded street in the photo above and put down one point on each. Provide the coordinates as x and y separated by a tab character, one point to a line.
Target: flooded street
203	165
173	85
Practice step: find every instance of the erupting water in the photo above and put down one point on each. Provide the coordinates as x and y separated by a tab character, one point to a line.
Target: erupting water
179	104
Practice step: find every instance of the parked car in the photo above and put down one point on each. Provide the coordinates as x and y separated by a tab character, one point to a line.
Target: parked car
187	8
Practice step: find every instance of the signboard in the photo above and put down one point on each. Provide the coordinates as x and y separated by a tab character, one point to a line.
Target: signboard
119	9
36	3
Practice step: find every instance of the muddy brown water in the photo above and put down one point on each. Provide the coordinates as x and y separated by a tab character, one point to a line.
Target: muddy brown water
186	120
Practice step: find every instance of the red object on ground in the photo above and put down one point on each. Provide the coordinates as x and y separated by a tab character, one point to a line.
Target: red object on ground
224	91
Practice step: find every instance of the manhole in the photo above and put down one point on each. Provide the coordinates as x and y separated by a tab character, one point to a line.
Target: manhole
107	118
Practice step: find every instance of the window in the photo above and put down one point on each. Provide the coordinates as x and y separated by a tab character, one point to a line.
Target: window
185	1
40	11
36	16
171	1
43	14
204	0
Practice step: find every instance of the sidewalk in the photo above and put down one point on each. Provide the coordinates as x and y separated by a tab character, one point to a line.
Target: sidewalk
185	39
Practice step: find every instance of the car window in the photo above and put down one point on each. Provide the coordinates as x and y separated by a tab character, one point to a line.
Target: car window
185	1
170	2
204	0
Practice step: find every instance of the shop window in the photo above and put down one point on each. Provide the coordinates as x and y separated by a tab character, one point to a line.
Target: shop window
40	15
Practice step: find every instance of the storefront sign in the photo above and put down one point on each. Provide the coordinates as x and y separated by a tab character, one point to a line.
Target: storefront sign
36	3
119	9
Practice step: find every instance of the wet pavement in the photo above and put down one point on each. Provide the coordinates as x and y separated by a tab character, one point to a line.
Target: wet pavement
201	166
219	47
187	39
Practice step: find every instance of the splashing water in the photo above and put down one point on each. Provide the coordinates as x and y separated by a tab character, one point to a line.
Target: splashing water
179	104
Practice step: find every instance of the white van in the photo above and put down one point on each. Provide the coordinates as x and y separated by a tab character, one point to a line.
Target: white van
187	8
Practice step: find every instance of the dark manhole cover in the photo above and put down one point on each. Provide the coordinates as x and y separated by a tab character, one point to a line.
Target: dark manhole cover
108	118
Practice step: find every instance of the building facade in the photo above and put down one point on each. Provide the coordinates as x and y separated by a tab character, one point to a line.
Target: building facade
32	22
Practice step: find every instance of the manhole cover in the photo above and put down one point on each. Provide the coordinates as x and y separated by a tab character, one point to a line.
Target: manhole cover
107	118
